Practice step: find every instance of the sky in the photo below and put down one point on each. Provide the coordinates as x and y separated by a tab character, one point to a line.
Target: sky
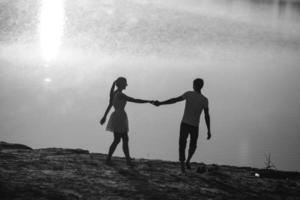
59	58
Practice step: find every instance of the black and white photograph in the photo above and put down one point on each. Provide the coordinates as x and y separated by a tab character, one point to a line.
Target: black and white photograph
149	99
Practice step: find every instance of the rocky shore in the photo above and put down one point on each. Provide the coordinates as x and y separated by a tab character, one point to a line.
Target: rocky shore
56	173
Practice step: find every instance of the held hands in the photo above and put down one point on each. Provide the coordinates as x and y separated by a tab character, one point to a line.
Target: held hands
155	103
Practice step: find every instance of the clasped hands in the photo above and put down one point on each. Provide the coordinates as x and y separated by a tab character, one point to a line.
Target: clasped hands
155	103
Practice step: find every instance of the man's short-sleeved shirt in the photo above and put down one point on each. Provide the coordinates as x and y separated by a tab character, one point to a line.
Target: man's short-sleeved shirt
194	104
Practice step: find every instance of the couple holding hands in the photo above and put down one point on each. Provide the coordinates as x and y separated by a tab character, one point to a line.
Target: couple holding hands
195	102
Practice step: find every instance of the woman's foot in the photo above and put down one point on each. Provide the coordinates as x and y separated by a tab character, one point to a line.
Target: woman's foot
182	166
129	162
188	165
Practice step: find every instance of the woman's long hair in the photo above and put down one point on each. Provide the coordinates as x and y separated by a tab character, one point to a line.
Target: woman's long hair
112	89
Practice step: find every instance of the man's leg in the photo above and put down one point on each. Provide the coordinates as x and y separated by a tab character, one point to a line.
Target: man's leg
182	144
193	144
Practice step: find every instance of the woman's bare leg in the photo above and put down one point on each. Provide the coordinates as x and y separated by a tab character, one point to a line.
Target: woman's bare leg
126	147
113	146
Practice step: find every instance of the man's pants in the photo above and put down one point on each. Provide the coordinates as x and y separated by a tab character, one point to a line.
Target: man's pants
185	130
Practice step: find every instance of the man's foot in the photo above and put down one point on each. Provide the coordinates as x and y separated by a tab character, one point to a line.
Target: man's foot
129	162
182	167
188	165
109	163
201	169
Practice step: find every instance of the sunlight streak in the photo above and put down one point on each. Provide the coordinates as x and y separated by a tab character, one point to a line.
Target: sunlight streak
51	27
47	80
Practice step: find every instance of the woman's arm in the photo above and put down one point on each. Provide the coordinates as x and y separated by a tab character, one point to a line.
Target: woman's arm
102	121
130	99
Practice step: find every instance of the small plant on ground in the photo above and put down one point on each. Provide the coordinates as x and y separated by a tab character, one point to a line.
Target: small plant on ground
268	162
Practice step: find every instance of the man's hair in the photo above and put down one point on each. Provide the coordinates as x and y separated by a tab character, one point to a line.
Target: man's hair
198	83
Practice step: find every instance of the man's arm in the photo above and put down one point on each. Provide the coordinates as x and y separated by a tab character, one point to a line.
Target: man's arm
171	101
207	121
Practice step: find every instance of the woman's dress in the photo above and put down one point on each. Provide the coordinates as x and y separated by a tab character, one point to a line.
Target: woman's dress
118	121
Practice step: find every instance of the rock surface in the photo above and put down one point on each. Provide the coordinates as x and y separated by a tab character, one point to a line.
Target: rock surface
56	173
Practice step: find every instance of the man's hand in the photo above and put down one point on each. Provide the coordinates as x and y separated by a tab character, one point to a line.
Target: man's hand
208	135
102	121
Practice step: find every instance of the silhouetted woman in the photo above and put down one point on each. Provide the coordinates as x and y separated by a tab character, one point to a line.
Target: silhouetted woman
118	121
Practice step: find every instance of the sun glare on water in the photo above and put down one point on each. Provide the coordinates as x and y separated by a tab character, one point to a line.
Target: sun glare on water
51	28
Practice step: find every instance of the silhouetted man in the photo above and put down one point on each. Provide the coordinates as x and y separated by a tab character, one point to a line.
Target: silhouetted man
195	102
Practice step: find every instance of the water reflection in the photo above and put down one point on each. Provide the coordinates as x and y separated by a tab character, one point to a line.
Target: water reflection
51	27
289	9
250	10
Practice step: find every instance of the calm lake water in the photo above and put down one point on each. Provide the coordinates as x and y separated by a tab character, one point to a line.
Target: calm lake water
59	58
